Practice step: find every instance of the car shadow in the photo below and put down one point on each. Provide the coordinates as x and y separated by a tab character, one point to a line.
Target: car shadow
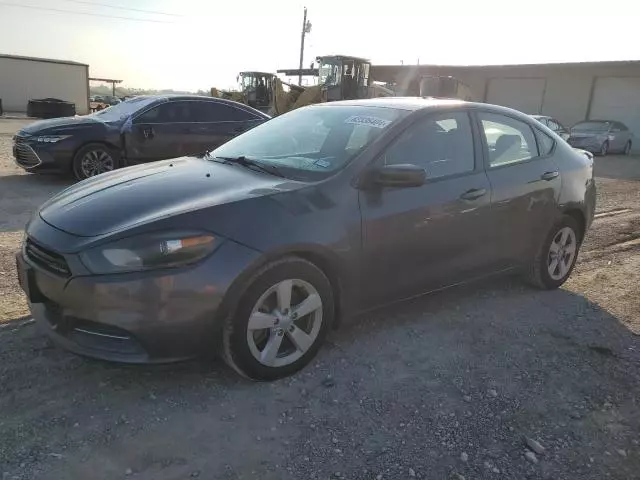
22	194
542	354
552	355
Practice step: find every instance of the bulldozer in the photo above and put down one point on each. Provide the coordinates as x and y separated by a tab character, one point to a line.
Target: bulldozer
341	77
263	91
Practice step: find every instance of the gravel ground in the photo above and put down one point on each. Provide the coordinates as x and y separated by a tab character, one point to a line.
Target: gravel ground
492	380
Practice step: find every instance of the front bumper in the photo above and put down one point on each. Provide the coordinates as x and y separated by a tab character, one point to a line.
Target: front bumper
35	157
593	146
150	317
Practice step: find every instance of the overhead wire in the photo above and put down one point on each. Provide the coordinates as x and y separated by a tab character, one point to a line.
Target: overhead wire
118	7
75	12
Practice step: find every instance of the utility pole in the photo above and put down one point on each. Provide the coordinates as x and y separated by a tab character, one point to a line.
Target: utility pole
306	28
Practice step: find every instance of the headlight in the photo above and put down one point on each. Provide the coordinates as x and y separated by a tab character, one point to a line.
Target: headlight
147	252
51	138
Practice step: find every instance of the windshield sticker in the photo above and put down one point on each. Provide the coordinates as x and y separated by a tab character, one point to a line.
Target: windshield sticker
322	163
367	120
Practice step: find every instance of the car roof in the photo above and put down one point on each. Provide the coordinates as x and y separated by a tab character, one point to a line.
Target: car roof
422	103
176	97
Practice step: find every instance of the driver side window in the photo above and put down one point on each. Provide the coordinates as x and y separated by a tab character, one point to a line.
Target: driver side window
442	144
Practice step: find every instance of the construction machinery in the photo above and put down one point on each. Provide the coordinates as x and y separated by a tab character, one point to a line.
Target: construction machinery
340	77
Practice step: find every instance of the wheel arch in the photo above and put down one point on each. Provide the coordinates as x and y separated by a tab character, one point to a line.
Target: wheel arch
580	218
319	256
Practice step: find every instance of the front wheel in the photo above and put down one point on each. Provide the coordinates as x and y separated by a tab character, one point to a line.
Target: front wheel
94	159
627	148
556	257
604	149
281	320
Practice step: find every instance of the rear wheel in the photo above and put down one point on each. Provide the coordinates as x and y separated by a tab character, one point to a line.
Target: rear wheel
556	257
94	159
281	321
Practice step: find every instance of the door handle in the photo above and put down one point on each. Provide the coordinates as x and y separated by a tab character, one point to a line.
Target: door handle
148	132
473	194
550	175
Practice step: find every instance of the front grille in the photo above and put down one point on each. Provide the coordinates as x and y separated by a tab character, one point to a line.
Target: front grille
25	155
46	258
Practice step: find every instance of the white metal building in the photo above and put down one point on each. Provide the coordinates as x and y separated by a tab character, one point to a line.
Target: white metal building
569	92
27	78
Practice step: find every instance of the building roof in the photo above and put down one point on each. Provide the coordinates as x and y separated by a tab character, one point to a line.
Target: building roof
47	60
603	63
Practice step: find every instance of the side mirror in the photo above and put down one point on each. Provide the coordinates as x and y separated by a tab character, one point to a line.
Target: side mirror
401	175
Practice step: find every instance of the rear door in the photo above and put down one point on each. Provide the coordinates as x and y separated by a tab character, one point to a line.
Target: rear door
525	182
419	238
220	121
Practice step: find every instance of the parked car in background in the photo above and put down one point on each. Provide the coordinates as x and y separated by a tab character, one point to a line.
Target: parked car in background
260	246
554	125
601	137
142	129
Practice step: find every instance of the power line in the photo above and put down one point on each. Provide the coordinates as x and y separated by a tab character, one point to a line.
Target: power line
83	13
155	12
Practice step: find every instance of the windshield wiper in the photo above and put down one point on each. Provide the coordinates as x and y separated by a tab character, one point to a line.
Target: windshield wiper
247	162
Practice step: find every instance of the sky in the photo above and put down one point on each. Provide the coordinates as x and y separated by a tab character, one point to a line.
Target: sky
198	44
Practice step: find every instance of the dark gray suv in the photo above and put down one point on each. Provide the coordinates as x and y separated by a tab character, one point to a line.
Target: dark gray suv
257	249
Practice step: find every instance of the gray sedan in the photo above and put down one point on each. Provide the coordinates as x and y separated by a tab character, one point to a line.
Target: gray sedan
257	249
601	137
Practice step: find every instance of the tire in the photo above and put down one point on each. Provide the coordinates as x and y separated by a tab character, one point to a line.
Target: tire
94	152
540	268
604	149
627	148
241	345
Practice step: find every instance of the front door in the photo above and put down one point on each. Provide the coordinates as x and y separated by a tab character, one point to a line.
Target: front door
159	133
420	238
525	183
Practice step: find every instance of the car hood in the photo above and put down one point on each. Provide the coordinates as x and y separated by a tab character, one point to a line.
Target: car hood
60	125
132	196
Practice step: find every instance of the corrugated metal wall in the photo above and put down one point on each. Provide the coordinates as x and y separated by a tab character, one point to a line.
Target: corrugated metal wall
22	80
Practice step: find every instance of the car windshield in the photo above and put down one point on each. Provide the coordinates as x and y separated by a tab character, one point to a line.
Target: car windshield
591	127
311	143
123	109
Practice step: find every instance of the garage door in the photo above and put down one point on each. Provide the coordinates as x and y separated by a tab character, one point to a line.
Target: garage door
618	98
524	94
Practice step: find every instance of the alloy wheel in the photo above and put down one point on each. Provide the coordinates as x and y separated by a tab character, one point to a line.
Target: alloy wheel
285	323
95	162
562	252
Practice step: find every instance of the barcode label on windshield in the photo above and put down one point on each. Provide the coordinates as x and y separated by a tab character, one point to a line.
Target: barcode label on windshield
369	121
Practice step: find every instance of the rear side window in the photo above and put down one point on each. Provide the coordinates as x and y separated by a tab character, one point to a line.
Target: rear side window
170	112
221	112
509	140
545	143
442	144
